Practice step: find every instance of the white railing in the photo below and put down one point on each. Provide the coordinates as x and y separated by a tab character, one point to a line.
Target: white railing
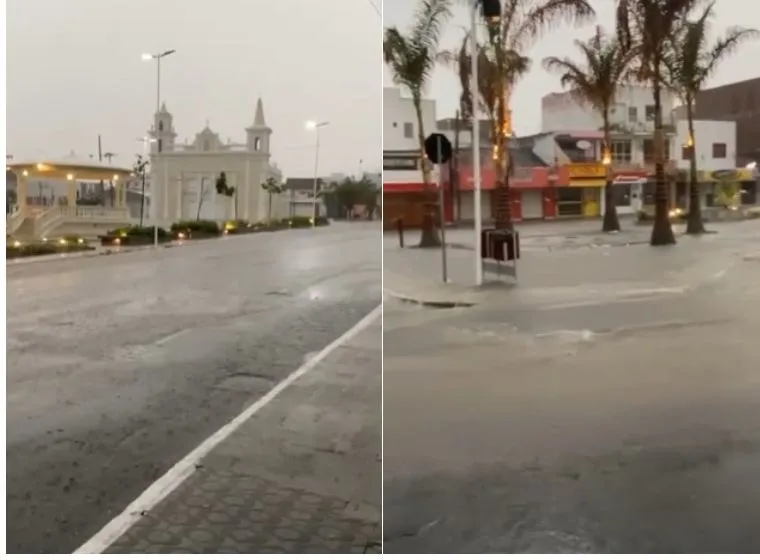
13	221
94	213
54	216
45	219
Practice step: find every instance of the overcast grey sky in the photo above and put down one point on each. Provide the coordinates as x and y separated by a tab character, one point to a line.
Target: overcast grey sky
526	107
74	71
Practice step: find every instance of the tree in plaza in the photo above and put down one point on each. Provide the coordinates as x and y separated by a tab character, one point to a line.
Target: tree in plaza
350	193
647	26
272	187
411	59
501	62
140	169
691	60
226	190
595	81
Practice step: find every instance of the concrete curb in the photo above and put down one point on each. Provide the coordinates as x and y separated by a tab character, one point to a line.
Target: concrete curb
436	303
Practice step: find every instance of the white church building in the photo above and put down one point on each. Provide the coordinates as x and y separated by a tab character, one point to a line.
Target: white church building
183	176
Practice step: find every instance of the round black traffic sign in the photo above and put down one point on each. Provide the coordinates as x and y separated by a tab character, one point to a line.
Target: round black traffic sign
438	148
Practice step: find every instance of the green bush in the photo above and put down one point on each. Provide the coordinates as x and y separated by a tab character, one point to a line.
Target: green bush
40	248
139	231
298	221
208	227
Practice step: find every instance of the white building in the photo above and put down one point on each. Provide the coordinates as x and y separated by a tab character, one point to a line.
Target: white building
715	145
183	176
633	111
401	157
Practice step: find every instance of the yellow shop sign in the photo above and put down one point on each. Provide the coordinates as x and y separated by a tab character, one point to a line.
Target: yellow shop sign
727	175
586	170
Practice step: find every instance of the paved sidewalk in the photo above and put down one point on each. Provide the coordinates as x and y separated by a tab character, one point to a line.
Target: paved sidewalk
304	475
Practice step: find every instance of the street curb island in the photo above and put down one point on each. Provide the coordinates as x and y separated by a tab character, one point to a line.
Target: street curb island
436	303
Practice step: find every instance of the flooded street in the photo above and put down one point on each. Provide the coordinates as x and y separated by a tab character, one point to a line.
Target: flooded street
559	419
118	366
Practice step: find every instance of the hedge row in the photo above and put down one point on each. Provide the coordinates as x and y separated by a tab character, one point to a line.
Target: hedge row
17	250
202	229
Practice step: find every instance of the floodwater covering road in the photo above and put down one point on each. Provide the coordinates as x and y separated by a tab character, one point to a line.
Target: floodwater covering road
581	412
119	366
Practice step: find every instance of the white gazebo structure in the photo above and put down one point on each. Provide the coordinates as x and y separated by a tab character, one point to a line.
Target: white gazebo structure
61	211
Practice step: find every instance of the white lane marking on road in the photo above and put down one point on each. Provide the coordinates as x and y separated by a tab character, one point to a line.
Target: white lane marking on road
720	273
167	338
180	472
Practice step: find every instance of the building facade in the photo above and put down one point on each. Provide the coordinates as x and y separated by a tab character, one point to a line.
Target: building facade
740	103
578	137
404	194
633	111
183	176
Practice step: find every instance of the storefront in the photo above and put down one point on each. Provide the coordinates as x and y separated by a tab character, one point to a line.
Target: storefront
533	193
586	189
730	187
628	192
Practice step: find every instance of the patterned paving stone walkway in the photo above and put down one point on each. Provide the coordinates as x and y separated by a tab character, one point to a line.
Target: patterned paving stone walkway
302	476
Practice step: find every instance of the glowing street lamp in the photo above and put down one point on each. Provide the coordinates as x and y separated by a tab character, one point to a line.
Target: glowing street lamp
316	126
157	57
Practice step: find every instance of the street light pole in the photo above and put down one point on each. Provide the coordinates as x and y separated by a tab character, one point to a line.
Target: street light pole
313	125
476	141
157	57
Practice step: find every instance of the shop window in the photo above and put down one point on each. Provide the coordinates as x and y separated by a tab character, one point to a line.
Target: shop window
719	150
621	194
621	151
570	201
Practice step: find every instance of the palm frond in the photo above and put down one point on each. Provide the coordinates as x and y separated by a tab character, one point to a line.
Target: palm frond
531	20
690	59
595	79
429	18
411	57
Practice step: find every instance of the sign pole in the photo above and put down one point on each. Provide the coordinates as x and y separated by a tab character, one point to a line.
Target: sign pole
441	216
438	149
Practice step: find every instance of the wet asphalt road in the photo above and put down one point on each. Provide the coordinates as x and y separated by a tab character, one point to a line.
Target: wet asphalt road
620	425
118	366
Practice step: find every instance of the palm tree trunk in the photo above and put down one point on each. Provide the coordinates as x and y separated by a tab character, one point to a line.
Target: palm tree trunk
503	217
269	206
610	222
662	230
694	224
429	237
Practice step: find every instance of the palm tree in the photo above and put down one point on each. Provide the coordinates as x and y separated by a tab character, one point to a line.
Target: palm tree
411	59
595	82
501	63
691	61
647	26
272	187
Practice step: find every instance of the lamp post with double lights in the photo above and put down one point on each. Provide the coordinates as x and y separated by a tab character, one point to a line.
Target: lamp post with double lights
315	125
157	57
491	10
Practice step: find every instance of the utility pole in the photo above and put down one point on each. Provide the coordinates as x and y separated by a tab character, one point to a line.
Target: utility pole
101	186
454	169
